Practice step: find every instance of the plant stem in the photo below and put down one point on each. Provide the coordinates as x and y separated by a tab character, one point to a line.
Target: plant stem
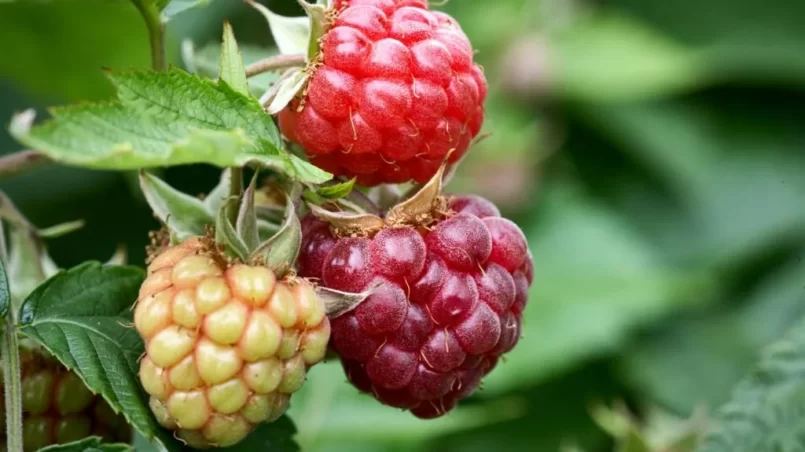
235	189
12	382
156	32
21	161
275	64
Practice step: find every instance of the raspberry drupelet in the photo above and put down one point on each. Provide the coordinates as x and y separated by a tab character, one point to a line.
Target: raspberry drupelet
447	304
393	91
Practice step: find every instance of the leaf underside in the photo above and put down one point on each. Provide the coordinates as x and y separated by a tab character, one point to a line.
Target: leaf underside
766	410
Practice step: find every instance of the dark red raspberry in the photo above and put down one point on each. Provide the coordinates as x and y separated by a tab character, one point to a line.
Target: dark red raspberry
449	303
395	89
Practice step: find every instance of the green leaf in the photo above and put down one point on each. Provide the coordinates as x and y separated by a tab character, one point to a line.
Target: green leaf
721	162
276	436
630	60
205	61
675	366
765	410
5	293
330	413
91	444
751	41
83	317
231	68
56	35
166	119
336	191
184	215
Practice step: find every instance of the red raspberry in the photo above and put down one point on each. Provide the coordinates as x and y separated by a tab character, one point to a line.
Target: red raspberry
449	305
395	90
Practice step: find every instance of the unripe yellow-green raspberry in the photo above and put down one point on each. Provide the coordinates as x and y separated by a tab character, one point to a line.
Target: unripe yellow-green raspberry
226	345
58	408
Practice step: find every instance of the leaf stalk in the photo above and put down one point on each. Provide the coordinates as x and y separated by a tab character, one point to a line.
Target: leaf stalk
19	162
275	63
9	348
156	32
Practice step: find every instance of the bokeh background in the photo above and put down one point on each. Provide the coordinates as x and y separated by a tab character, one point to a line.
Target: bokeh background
652	151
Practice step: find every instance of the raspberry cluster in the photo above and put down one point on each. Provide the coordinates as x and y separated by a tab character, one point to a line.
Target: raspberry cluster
447	304
394	90
58	408
226	346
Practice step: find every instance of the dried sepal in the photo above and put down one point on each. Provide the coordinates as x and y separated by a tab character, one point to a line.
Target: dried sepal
337	303
347	223
423	206
287	88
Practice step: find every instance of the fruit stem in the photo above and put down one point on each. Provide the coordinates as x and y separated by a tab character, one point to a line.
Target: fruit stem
275	64
12	382
21	161
156	32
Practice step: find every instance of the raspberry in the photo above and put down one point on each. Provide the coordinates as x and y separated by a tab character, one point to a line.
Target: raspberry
226	345
394	89
448	303
58	408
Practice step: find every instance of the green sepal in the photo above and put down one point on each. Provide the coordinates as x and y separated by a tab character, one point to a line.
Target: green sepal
270	214
267	229
336	191
281	250
185	216
246	225
217	195
119	257
319	25
25	271
60	229
227	236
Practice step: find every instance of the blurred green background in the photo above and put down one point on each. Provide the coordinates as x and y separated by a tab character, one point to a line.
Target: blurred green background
653	151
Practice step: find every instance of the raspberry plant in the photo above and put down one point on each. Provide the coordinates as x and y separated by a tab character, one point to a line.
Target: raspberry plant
240	298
